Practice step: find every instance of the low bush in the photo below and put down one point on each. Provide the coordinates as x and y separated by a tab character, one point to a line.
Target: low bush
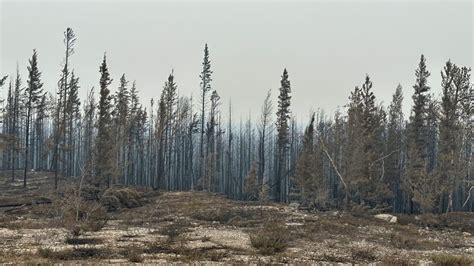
365	254
403	241
134	254
175	229
270	239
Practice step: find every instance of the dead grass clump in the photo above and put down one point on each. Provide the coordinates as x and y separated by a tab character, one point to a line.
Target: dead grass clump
403	241
237	216
429	220
406	241
73	254
459	220
76	214
135	257
133	254
158	247
325	229
90	218
221	215
326	257
187	254
451	260
175	229
397	261
364	254
201	254
83	241
270	239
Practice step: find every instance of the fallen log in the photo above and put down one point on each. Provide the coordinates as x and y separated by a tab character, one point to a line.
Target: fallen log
33	202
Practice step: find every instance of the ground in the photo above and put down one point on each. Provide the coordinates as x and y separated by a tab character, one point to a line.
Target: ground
163	227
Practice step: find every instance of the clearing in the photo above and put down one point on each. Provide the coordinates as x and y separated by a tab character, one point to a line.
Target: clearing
39	225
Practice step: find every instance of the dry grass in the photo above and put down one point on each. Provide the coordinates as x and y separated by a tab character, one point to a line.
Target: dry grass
83	241
394	260
134	254
452	260
174	230
365	254
192	222
271	239
74	254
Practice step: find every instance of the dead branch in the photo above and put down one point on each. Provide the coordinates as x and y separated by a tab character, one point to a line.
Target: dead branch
334	165
468	196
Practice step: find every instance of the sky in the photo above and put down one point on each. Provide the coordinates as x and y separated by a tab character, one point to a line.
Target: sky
327	46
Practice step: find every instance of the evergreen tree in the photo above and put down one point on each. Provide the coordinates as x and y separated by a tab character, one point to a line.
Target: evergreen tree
307	178
456	86
170	97
251	185
105	159
282	126
394	147
120	120
15	133
33	94
206	79
418	182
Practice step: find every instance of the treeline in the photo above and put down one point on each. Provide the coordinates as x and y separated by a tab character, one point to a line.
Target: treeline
364	155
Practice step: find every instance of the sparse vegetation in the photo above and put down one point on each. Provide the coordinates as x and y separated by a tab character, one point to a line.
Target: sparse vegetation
452	260
271	239
174	229
365	254
187	230
134	254
83	241
170	175
74	254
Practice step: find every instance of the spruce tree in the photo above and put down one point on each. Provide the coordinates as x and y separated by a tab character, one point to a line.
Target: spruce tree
307	177
170	97
282	126
456	86
15	133
395	133
33	93
105	158
120	116
206	79
418	182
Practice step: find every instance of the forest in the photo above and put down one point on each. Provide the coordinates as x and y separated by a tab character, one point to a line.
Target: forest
365	154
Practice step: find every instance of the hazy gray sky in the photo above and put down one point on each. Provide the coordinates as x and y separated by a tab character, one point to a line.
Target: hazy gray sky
327	47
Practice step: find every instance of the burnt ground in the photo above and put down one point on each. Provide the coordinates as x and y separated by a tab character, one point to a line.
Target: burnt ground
41	225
